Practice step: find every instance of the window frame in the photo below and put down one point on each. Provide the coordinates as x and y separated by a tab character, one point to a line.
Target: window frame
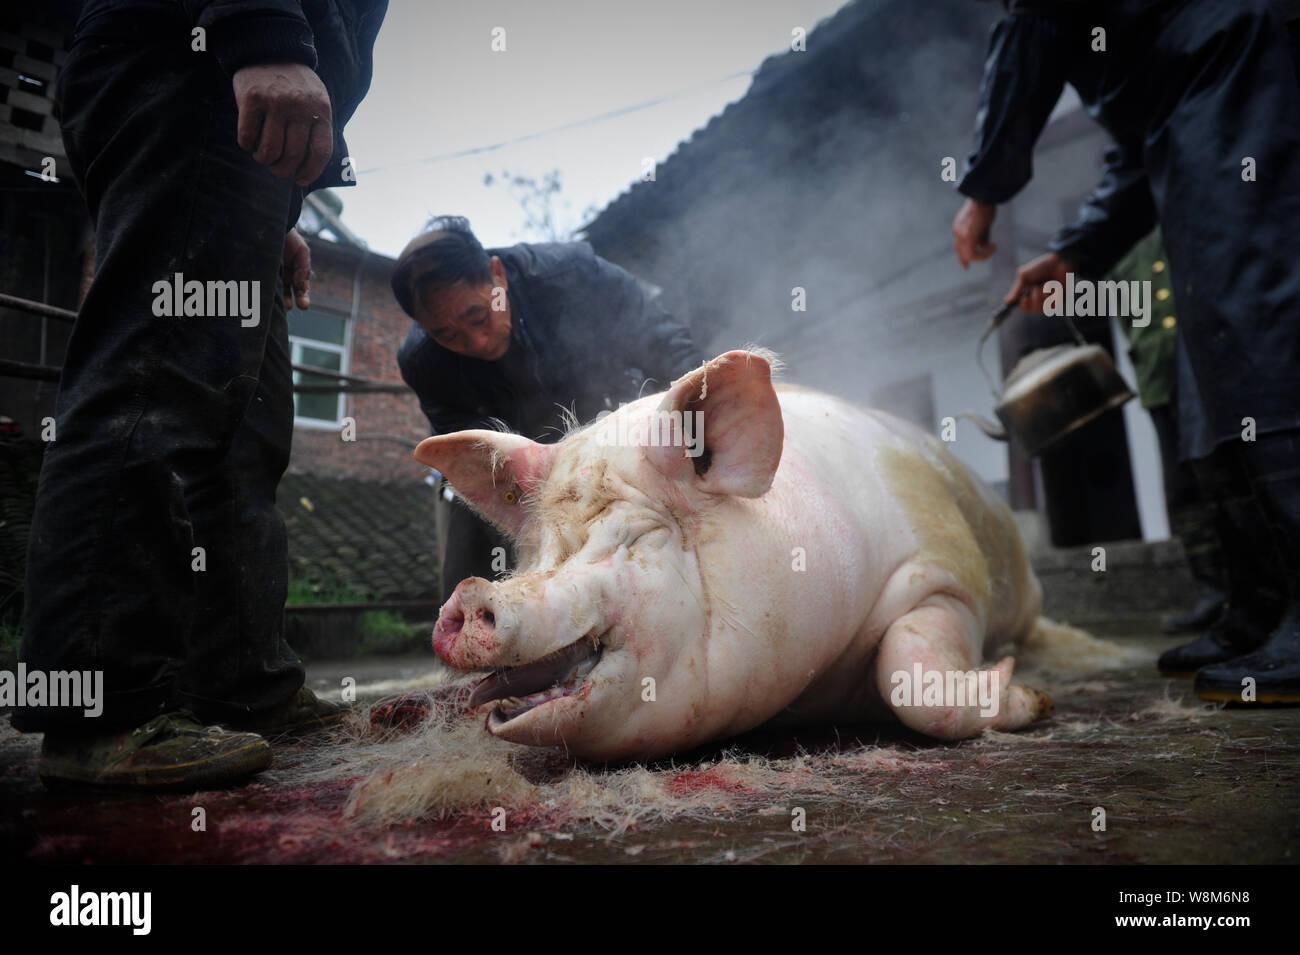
296	343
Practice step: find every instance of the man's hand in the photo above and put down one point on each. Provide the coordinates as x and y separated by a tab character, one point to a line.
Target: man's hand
285	119
1031	276
295	271
970	232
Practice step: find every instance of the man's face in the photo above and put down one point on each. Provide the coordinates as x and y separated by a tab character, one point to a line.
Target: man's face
461	317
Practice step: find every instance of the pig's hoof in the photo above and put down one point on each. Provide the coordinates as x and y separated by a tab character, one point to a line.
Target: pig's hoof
1043	705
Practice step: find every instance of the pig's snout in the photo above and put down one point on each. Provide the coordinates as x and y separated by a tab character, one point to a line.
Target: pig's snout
466	634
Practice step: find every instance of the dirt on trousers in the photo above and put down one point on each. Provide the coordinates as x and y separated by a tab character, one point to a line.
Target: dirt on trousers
1178	782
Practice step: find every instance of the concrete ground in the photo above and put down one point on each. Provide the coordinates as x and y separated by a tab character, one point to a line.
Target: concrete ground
1178	781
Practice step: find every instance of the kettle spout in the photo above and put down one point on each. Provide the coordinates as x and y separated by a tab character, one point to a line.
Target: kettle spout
994	431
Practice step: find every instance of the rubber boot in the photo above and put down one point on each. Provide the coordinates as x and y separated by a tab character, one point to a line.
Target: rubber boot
1208	608
1256	589
1197	524
1270	674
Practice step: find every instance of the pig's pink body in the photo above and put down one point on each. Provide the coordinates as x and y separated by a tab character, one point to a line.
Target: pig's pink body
747	591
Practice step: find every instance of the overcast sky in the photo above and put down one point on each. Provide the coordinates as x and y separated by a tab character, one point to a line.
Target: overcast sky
439	89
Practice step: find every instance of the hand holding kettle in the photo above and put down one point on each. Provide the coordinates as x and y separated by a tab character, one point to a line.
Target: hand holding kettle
1030	278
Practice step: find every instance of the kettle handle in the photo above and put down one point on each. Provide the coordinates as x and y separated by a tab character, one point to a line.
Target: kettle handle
996	319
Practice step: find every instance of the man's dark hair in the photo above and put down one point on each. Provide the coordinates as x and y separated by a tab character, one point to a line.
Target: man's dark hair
456	255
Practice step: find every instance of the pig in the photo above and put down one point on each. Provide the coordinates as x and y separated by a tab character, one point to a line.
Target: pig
731	554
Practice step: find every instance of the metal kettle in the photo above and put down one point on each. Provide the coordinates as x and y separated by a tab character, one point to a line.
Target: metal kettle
1051	391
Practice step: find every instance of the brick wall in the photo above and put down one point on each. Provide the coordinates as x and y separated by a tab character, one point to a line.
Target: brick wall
379	330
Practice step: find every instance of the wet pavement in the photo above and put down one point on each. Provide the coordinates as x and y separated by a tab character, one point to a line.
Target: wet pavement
1178	781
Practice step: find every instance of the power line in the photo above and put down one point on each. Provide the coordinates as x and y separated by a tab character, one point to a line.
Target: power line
601	117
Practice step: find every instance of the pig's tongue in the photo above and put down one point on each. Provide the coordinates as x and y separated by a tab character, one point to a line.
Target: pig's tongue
543	674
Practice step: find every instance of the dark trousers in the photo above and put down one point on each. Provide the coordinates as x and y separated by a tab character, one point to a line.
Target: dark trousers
172	433
1255	573
1194	516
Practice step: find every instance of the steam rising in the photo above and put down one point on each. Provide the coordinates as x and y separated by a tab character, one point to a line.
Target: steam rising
825	177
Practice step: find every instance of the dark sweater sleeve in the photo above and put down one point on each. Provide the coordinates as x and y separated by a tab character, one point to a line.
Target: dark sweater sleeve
1024	75
444	419
1118	213
249	32
433	385
647	335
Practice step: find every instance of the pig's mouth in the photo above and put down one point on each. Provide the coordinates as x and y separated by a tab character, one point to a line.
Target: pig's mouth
516	690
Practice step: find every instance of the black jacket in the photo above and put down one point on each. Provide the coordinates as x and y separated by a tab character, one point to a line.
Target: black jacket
1195	94
592	334
334	37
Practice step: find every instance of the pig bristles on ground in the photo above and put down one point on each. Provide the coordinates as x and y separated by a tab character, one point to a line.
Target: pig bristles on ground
450	768
1060	649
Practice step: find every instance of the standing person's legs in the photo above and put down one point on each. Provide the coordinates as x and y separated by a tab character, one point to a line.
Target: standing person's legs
1255	587
239	665
150	405
1271	674
1194	521
1239	328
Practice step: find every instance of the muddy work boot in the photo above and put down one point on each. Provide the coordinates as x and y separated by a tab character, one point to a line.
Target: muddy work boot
302	713
170	752
1270	674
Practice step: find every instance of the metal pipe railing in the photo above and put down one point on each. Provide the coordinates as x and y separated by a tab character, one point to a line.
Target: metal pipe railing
351	384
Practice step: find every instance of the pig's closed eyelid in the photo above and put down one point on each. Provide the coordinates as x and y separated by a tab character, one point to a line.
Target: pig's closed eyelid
648	529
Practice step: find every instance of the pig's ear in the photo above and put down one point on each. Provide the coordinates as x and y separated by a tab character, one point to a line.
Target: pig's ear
491	470
742	430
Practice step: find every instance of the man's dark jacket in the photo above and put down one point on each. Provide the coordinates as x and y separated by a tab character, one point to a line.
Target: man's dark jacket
1202	100
334	37
592	334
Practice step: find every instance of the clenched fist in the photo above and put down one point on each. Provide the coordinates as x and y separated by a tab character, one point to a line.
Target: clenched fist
970	232
285	119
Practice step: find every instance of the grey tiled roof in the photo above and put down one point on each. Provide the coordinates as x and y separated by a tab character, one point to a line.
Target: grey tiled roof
375	538
799	104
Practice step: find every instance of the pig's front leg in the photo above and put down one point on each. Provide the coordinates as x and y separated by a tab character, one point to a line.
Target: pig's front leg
944	637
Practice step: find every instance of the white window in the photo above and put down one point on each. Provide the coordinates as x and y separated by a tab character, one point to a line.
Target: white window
318	339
